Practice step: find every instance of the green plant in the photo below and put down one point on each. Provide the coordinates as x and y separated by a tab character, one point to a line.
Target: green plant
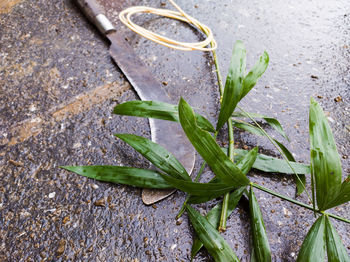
231	166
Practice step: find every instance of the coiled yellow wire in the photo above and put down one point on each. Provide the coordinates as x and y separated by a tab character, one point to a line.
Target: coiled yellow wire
125	17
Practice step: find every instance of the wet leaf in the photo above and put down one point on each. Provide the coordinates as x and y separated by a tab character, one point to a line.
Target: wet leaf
210	151
275	124
198	189
234	83
214	214
244	164
325	161
210	237
314	245
240	114
248	127
157	155
336	251
200	199
122	175
260	241
257	131
247	161
274	165
343	196
203	199
149	109
159	110
299	183
286	152
254	74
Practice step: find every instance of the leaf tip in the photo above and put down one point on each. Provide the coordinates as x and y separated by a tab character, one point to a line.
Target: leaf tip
70	168
266	56
120	136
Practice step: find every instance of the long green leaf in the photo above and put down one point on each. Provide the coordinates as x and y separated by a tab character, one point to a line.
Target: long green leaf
248	127
273	122
314	245
260	240
210	151
247	162
343	196
198	189
202	199
244	163
300	183
122	175
157	155
256	72
273	165
210	237
234	83
240	114
158	110
269	164
213	216
286	152
325	161
336	251
257	131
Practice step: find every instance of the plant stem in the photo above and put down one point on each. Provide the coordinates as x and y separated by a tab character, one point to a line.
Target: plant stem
297	202
231	153
223	218
337	217
218	75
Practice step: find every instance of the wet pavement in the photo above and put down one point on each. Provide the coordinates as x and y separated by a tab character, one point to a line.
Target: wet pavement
59	86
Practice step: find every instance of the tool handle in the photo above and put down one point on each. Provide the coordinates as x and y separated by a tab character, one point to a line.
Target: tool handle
95	14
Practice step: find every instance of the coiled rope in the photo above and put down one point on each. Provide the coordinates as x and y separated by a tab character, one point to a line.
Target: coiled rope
125	17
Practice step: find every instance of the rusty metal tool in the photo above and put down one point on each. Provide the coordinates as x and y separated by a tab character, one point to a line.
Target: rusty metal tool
167	134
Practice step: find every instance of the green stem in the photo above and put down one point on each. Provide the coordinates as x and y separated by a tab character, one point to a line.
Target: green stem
231	147
223	218
337	217
271	192
218	75
224	213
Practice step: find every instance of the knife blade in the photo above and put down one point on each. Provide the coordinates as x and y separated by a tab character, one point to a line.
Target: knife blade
167	134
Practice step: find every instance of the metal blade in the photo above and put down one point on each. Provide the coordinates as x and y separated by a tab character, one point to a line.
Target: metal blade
167	134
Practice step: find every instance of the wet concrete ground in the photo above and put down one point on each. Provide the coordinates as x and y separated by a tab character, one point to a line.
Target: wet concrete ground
59	85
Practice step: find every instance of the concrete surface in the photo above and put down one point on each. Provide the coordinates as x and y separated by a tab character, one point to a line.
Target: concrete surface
59	85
